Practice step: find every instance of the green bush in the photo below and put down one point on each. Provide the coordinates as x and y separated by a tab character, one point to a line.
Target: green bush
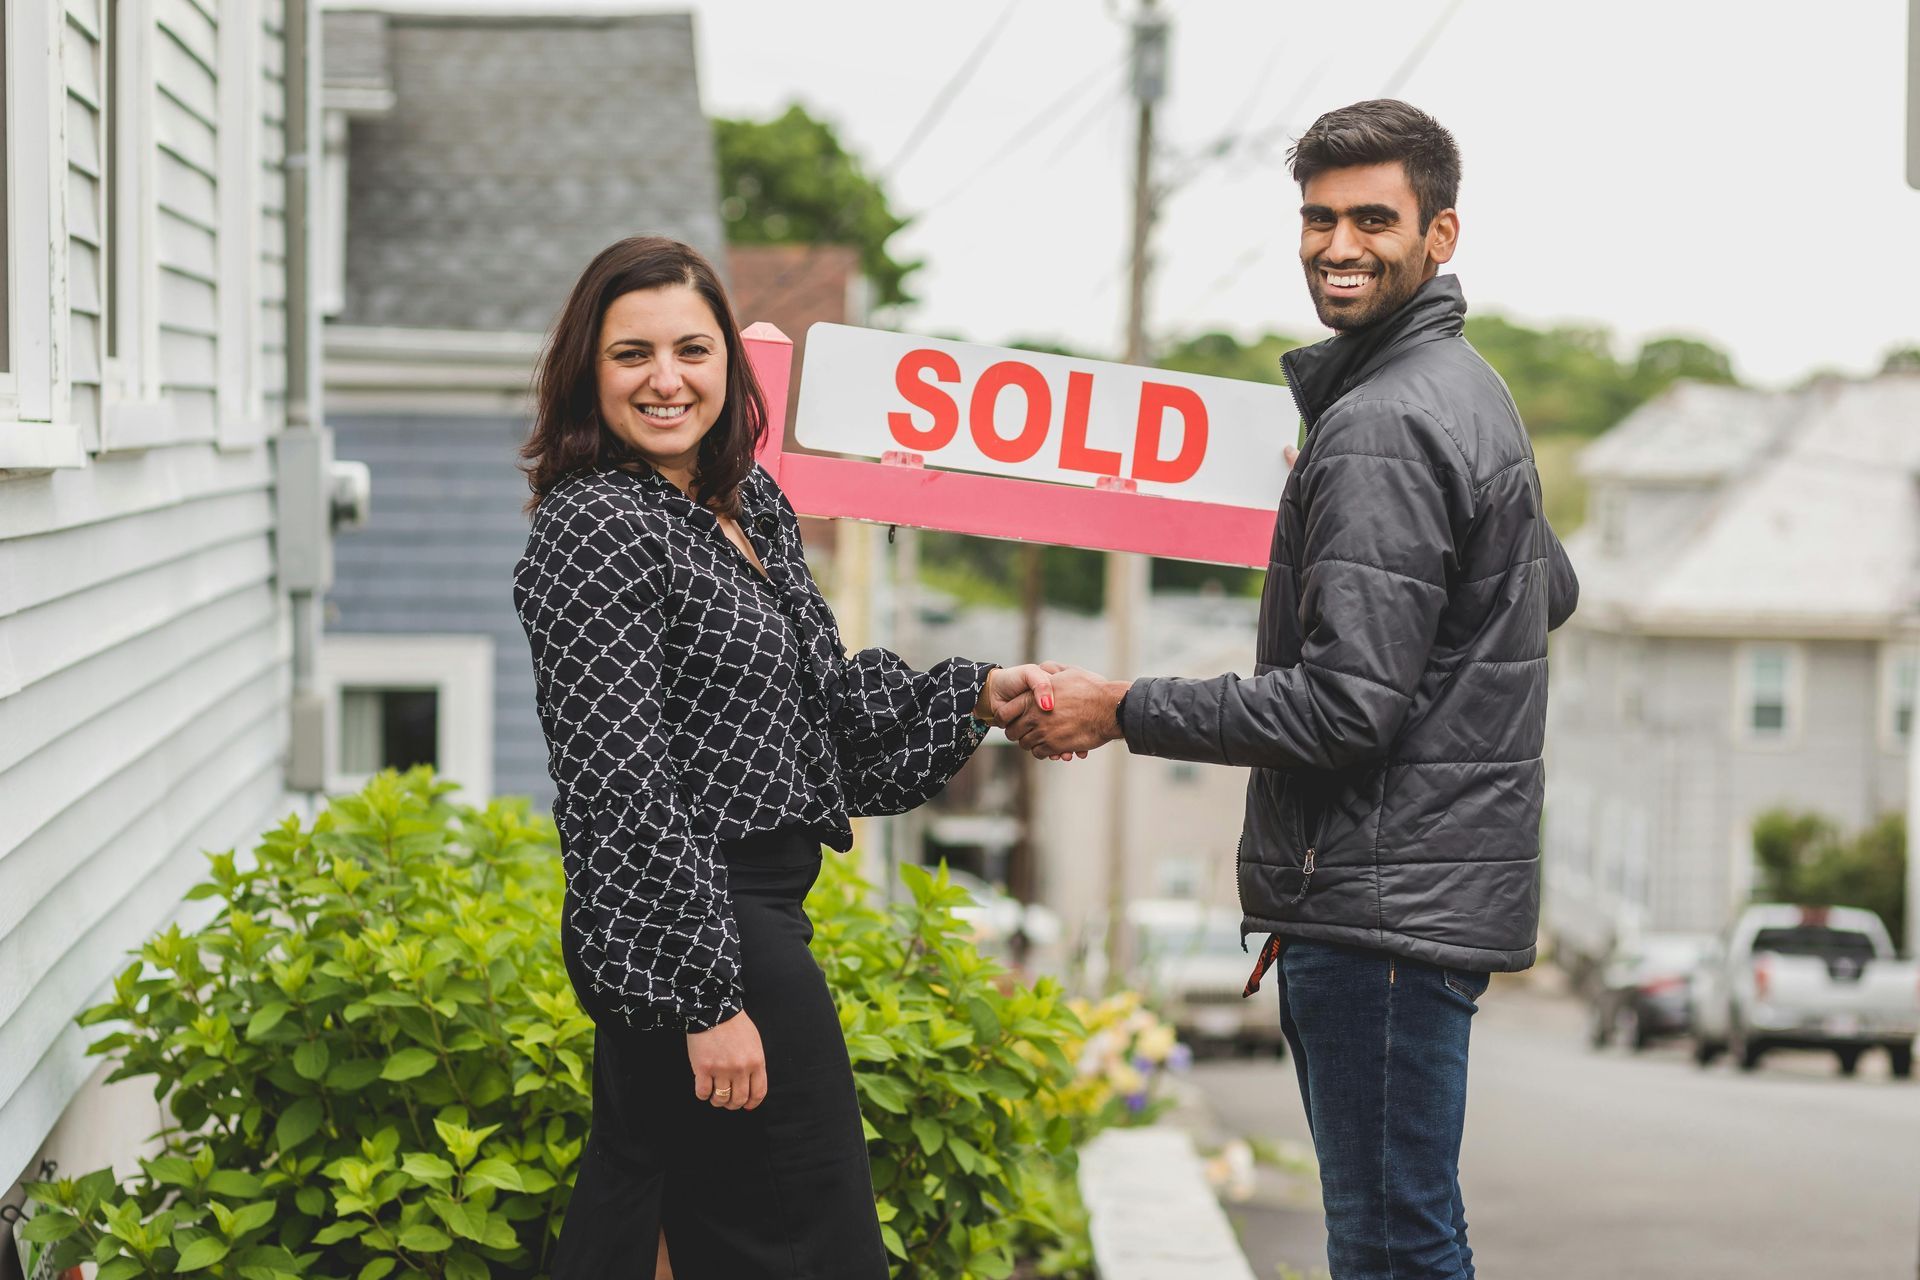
1805	858
376	1066
373	1058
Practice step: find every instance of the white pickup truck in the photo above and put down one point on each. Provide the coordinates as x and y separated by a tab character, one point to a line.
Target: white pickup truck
1806	978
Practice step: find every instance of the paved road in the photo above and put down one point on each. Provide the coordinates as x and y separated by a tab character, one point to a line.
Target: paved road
1607	1166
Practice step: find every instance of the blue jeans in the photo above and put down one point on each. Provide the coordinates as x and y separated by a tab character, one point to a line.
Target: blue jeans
1380	1046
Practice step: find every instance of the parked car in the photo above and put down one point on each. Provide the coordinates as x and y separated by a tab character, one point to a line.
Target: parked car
1642	994
1806	978
1188	962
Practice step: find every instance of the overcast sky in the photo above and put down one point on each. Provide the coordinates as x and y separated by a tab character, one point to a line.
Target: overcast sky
1725	169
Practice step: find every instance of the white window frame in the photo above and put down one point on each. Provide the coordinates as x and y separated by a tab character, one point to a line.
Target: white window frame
459	668
37	431
241	400
133	415
1794	709
1892	654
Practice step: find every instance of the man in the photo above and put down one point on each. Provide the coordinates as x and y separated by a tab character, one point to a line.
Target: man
1395	717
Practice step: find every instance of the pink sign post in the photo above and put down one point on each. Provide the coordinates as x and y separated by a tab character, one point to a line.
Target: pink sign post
1134	460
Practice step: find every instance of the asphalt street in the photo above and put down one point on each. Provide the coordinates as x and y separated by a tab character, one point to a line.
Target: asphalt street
1580	1165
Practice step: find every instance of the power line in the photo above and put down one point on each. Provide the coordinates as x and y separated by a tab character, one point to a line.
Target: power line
1416	56
1420	51
791	278
948	92
1028	132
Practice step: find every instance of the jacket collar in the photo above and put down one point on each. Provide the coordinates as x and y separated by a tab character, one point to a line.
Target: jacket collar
1320	374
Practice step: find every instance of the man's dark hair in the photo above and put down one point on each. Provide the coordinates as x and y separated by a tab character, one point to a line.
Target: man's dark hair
1382	131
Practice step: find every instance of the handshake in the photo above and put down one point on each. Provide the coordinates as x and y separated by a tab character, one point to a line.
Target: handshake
1054	711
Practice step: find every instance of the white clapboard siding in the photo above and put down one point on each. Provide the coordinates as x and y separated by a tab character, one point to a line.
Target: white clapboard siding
48	1046
197	707
273	202
144	661
186	189
86	159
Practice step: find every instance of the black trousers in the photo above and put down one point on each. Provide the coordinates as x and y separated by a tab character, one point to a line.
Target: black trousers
782	1192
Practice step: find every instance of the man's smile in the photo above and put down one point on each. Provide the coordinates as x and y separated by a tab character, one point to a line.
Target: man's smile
1344	284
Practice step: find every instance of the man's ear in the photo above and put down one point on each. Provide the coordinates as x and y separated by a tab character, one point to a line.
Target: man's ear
1443	236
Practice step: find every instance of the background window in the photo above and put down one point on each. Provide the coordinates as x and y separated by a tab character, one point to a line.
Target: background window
1767	700
388	729
1899	684
1769	692
401	700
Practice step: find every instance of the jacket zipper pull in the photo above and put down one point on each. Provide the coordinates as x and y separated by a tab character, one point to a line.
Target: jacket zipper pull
1306	874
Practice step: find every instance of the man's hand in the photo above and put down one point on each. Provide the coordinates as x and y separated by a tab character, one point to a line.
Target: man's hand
1291	454
1084	716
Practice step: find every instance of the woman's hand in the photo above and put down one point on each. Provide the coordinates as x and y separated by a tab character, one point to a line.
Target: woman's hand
1009	691
729	1066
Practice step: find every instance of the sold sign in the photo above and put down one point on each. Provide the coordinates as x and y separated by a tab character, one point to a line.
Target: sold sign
1044	417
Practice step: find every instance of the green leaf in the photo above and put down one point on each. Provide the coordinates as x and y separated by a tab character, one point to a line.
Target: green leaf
464	1266
310	1059
986	1023
1004	1082
376	1269
119	1269
888	1234
298	1123
421	1238
203	1252
353	1074
172	1171
887	1093
462	1219
48	1226
233	1182
252	1217
426	1166
928	1130
311	1201
266	1018
408	1063
496	1172
335	1232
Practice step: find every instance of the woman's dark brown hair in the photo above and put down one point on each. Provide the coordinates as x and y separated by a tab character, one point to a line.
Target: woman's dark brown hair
568	434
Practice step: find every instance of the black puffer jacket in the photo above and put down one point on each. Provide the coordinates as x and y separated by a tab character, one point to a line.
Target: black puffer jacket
1395	718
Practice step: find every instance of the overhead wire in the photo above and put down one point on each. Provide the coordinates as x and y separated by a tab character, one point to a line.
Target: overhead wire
1410	64
791	278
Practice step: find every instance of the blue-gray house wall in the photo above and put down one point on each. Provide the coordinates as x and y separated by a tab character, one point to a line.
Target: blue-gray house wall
437	555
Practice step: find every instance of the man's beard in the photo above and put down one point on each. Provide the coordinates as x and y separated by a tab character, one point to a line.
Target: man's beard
1393	284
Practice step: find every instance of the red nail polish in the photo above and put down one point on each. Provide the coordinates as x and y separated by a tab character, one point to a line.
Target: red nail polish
1046	702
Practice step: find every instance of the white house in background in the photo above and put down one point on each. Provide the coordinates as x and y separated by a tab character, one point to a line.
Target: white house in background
1744	641
1183	819
163	506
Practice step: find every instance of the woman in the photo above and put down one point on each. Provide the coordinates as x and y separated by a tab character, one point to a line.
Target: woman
706	732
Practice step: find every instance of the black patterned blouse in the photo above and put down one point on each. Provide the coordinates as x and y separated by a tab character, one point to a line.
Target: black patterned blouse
688	700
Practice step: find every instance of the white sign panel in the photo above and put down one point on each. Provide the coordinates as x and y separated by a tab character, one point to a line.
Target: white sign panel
1044	417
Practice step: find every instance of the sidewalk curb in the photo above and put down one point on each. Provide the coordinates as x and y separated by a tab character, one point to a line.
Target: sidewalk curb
1152	1214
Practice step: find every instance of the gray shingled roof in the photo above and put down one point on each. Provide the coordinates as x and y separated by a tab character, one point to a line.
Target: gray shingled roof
1819	533
517	148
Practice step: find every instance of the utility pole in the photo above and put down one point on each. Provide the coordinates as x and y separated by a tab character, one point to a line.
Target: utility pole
1022	882
1127	574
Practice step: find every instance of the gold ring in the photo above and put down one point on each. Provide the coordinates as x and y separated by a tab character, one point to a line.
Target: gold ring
724	1093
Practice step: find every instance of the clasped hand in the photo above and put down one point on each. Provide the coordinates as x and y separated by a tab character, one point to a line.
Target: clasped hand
1054	711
